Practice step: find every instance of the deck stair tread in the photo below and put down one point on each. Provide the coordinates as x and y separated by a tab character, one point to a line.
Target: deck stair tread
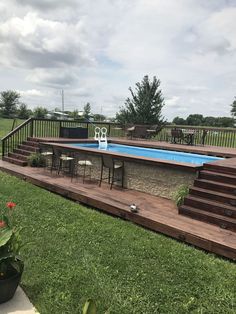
227	168
15	161
210	205
223	221
28	147
211	192
226	187
31	143
22	151
217	175
18	156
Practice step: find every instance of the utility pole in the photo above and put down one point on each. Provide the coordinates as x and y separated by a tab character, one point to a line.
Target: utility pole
62	100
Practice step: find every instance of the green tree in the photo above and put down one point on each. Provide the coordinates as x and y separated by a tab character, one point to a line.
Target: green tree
145	104
8	103
99	117
87	111
233	109
195	119
40	112
179	121
74	114
23	111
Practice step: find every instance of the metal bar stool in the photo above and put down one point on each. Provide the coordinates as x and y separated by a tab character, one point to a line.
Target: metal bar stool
83	163
113	167
46	152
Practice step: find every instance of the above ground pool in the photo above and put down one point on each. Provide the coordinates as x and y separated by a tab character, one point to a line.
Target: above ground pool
195	159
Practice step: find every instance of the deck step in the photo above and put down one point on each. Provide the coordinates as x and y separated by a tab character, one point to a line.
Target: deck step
21	151
217	176
18	156
220	168
223	222
31	143
211	206
216	186
213	195
28	148
15	161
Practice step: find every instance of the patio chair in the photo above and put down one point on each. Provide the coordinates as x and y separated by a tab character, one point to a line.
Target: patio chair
113	167
177	136
62	161
138	131
82	162
153	131
46	152
129	131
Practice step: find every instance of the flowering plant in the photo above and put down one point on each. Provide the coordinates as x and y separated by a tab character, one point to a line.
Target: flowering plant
10	243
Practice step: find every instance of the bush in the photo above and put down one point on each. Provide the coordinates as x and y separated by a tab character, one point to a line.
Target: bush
181	194
36	160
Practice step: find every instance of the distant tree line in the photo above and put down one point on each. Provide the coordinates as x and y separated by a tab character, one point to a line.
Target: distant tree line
200	120
12	107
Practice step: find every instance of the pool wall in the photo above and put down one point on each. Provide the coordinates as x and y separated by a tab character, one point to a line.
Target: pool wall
153	179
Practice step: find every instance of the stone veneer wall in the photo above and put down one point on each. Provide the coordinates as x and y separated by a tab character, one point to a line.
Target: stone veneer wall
154	179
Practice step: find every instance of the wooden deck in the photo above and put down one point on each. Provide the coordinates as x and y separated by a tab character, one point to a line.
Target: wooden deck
156	213
226	152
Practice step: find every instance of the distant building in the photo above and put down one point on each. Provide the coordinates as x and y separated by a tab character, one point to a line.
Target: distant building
57	115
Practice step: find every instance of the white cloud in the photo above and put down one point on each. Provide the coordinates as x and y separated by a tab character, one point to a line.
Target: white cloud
95	50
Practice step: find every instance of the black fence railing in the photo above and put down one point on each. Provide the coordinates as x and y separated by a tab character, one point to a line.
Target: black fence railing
225	137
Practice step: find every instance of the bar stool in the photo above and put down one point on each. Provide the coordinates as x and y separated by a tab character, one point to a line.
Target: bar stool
46	152
84	163
66	165
113	167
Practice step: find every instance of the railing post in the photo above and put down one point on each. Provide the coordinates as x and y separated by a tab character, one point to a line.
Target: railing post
109	129
32	128
3	148
59	129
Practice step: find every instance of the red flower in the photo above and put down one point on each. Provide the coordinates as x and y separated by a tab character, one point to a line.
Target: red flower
2	224
11	204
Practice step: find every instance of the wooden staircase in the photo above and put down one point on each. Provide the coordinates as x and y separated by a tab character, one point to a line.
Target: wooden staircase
20	155
212	198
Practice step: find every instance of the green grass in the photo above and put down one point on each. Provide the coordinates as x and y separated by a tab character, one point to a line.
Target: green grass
80	253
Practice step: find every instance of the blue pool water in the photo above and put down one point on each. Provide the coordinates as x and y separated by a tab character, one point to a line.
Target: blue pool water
154	153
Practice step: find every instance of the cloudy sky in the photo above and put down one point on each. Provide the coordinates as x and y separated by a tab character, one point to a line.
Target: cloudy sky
95	50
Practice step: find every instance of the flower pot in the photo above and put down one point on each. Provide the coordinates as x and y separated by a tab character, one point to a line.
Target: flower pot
9	285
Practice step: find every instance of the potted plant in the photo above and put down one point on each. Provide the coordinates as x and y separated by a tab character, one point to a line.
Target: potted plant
11	266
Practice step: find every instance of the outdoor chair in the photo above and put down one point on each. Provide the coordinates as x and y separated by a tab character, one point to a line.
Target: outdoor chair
113	167
177	136
82	162
137	131
46	152
62	162
129	131
153	131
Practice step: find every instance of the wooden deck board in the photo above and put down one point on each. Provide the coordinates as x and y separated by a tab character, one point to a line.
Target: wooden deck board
156	213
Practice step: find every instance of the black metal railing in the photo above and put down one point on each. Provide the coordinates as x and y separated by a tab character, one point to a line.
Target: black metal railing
224	137
17	136
46	128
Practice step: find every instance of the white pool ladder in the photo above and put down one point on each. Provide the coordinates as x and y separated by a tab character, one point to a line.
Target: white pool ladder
100	135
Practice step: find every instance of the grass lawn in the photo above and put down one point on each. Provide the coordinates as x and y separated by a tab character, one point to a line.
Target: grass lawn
80	253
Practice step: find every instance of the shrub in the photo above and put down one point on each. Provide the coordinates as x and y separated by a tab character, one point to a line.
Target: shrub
181	194
36	160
